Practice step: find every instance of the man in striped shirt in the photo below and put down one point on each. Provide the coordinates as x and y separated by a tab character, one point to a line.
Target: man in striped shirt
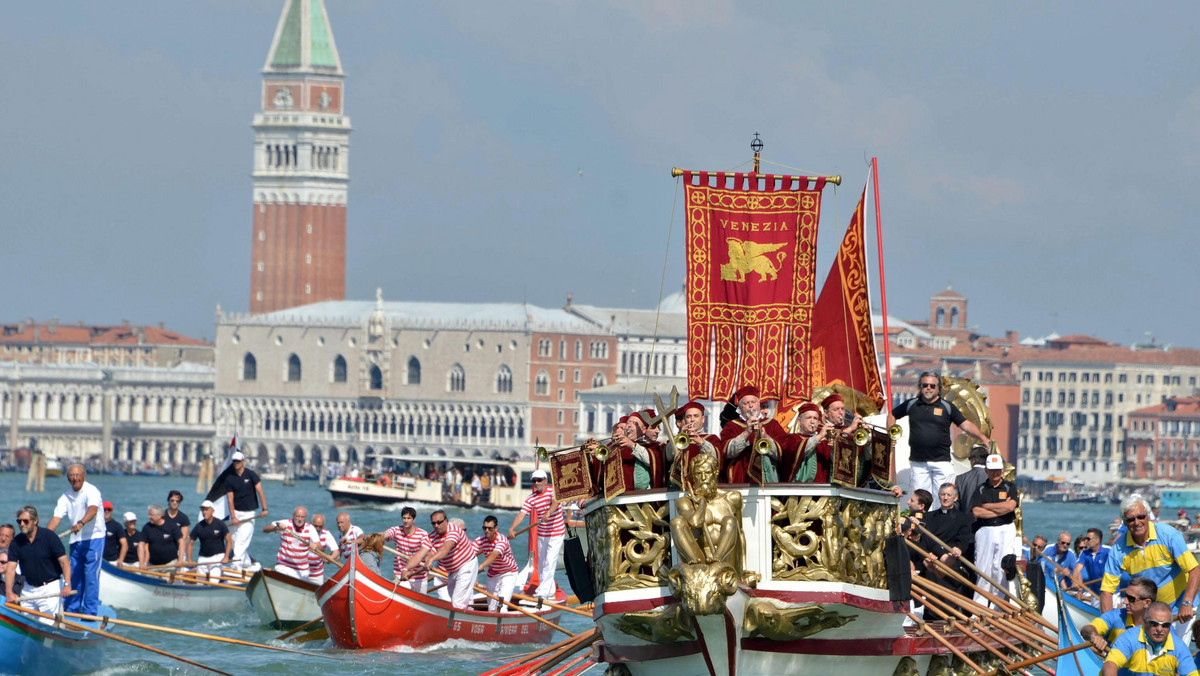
456	550
1156	551
413	543
1150	650
544	511
499	562
325	543
350	535
295	536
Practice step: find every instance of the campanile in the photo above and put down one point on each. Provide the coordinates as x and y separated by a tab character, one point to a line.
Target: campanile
301	166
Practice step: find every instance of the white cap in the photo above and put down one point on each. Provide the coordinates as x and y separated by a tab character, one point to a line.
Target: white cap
130	516
994	461
207	504
237	455
538	474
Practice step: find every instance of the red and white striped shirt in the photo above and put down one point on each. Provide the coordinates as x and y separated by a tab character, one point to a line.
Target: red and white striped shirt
536	505
347	541
464	547
316	564
408	545
293	545
504	562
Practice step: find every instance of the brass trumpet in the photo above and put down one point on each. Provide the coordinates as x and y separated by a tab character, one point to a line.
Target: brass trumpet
601	453
762	446
862	435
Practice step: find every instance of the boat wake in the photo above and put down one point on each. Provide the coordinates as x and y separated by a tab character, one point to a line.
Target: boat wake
456	644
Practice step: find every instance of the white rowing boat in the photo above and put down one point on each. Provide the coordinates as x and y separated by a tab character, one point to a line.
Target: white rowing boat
282	601
128	589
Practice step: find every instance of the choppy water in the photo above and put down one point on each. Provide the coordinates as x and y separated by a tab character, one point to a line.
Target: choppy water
452	659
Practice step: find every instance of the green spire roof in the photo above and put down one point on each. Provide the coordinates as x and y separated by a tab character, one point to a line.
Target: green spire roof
303	39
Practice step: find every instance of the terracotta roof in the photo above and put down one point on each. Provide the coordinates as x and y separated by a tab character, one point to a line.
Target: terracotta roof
949	293
1075	339
79	334
1188	407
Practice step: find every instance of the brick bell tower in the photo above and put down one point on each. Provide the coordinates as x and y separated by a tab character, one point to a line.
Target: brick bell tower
301	166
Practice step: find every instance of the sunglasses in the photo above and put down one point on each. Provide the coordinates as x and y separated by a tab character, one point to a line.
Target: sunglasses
437	523
489	528
108	509
538	480
1136	517
928	386
1135	599
24	521
1155	623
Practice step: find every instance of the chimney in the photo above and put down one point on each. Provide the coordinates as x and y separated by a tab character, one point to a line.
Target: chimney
125	323
1011	337
52	325
1170	404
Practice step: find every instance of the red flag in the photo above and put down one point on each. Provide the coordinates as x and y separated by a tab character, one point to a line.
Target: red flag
843	342
750	282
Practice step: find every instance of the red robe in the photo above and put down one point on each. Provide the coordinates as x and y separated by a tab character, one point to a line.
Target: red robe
654	450
682	459
747	467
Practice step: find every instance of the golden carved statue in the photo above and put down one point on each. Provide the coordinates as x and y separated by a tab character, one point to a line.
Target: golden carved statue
707	535
666	625
907	666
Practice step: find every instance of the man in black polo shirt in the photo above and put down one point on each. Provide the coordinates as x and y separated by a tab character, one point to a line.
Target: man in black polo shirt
995	534
115	544
244	491
930	418
164	542
215	543
43	561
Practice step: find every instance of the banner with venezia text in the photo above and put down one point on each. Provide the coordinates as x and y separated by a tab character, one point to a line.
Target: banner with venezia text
751	244
843	340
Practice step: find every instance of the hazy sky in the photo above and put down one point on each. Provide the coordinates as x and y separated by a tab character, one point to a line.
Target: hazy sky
1039	157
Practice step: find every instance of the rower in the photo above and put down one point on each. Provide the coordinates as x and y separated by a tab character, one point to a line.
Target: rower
413	544
164	542
350	535
457	552
545	511
137	542
43	561
295	537
175	515
498	561
244	491
1102	631
216	544
115	542
80	506
325	543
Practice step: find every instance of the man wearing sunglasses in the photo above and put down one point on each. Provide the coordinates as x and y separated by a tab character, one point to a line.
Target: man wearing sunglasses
1060	560
545	511
1089	567
44	563
1151	649
80	507
1156	551
930	418
456	550
499	562
1103	630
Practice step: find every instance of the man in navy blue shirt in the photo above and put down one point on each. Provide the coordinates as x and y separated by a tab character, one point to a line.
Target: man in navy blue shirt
43	561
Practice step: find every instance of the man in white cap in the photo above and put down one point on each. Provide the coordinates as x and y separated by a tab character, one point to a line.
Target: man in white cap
996	535
216	545
243	489
547	514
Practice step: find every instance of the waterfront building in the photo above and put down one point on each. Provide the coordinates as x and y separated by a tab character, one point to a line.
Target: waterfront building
650	343
1163	441
301	166
30	342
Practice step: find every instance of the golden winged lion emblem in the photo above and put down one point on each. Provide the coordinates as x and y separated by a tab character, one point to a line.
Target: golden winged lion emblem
746	257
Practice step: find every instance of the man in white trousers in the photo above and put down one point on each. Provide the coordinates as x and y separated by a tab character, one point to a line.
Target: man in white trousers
551	525
456	550
243	489
498	561
995	512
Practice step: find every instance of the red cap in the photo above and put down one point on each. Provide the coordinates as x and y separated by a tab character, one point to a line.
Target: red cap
622	420
647	414
107	504
745	391
690	405
808	406
831	400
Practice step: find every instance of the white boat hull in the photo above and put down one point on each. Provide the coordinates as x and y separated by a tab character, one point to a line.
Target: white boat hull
123	590
282	601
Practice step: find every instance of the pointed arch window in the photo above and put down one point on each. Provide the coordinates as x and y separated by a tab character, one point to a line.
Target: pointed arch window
339	369
414	371
598	380
293	369
504	379
376	378
249	367
541	384
456	379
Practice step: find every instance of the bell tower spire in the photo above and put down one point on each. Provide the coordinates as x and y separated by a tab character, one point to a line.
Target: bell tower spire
301	166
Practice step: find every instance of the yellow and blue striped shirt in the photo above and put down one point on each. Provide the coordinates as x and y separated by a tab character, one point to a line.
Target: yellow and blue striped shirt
1133	656
1164	559
1112	624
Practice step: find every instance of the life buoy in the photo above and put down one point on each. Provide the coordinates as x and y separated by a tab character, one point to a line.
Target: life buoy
384	481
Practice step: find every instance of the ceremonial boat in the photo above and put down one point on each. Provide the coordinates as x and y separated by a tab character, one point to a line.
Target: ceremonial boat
775	578
282	601
145	591
363	610
29	646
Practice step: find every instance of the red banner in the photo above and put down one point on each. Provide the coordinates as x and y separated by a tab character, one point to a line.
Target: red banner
843	342
750	282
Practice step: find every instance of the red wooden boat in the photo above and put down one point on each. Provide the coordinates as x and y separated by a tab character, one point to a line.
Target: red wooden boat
364	610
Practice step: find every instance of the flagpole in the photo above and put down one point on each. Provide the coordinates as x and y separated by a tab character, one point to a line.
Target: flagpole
887	352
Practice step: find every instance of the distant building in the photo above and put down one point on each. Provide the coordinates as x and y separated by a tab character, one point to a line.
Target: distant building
362	382
30	342
301	166
649	342
1163	441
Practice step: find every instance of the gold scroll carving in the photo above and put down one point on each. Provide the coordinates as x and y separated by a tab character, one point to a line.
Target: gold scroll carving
781	621
830	539
628	544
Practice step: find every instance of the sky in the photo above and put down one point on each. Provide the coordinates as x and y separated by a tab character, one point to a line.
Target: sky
1038	157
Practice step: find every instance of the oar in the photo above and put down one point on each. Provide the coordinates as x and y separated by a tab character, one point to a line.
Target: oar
1044	656
923	627
552	604
172	576
122	639
299	629
196	634
481	590
45	596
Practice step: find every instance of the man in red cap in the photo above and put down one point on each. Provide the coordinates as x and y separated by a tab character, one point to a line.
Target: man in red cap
812	458
115	544
690	420
641	458
836	414
743	463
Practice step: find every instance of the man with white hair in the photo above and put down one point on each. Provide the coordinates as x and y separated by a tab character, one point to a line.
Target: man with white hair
295	538
1155	551
215	543
80	507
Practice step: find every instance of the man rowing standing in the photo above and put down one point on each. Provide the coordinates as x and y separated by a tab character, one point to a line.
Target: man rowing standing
413	544
80	506
325	543
164	542
456	550
349	535
295	536
498	561
545	511
243	490
216	545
